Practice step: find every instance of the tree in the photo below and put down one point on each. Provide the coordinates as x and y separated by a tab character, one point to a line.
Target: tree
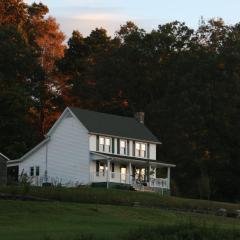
17	65
13	12
46	41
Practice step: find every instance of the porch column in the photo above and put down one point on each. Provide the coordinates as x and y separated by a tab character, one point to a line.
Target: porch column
148	176
130	173
108	175
168	177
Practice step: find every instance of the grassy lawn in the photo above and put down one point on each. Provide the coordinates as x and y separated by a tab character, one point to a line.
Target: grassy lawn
119	197
67	221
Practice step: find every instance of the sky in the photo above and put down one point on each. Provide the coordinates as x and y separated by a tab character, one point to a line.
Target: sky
86	15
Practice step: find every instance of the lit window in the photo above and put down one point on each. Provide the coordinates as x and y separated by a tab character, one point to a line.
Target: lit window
101	144
104	144
143	150
140	150
137	146
101	141
122	147
122	144
137	149
107	145
101	169
107	141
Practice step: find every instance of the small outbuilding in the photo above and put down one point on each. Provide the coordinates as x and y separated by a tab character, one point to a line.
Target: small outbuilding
3	169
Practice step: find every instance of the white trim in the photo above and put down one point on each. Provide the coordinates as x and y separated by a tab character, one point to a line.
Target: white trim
5	157
101	155
121	155
134	159
67	110
12	163
121	137
33	150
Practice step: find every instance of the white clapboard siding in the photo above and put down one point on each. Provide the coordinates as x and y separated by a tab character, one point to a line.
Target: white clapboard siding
93	142
115	145
68	152
152	151
35	159
130	148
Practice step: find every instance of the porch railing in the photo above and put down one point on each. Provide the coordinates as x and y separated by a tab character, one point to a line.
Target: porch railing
55	181
102	176
159	183
125	178
111	177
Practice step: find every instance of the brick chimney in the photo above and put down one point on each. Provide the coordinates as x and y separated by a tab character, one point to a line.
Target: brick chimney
139	116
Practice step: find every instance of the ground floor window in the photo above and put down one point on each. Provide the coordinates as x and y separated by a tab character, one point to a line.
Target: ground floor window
31	171
37	171
34	171
123	172
100	168
139	174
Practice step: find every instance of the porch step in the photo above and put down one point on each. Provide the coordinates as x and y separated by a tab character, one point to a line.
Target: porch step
140	188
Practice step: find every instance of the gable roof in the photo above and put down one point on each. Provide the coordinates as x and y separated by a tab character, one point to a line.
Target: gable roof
113	125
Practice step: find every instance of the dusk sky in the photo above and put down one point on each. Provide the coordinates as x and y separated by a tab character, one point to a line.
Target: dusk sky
86	15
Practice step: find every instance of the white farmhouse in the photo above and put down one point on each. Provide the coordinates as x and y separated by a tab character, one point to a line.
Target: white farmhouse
86	147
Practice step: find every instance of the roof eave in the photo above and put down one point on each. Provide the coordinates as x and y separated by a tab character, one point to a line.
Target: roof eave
134	139
4	157
151	161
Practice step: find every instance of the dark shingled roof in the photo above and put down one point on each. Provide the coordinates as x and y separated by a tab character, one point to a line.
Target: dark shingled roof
113	125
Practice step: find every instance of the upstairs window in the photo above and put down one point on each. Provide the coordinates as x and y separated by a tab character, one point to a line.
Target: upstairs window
101	144
143	150
140	150
107	145
123	147
104	144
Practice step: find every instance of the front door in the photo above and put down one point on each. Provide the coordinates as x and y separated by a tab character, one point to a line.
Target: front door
140	174
123	174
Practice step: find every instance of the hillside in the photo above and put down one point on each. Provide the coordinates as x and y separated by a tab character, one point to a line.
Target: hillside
88	213
119	197
53	221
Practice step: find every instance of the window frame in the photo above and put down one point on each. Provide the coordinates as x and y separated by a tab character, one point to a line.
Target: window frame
37	171
105	144
123	150
31	171
140	150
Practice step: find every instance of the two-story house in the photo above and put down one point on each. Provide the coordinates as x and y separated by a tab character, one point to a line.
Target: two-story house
87	147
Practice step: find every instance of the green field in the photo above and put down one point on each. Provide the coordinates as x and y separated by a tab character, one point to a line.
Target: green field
96	213
68	221
118	197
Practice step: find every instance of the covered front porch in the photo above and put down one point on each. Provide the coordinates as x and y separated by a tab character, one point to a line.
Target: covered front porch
144	175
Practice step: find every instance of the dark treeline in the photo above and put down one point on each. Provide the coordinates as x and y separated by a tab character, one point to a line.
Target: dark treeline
186	81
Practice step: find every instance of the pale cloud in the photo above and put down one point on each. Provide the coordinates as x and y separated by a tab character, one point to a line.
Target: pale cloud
99	16
86	15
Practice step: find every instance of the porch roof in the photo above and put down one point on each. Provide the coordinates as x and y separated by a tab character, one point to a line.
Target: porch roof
95	156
